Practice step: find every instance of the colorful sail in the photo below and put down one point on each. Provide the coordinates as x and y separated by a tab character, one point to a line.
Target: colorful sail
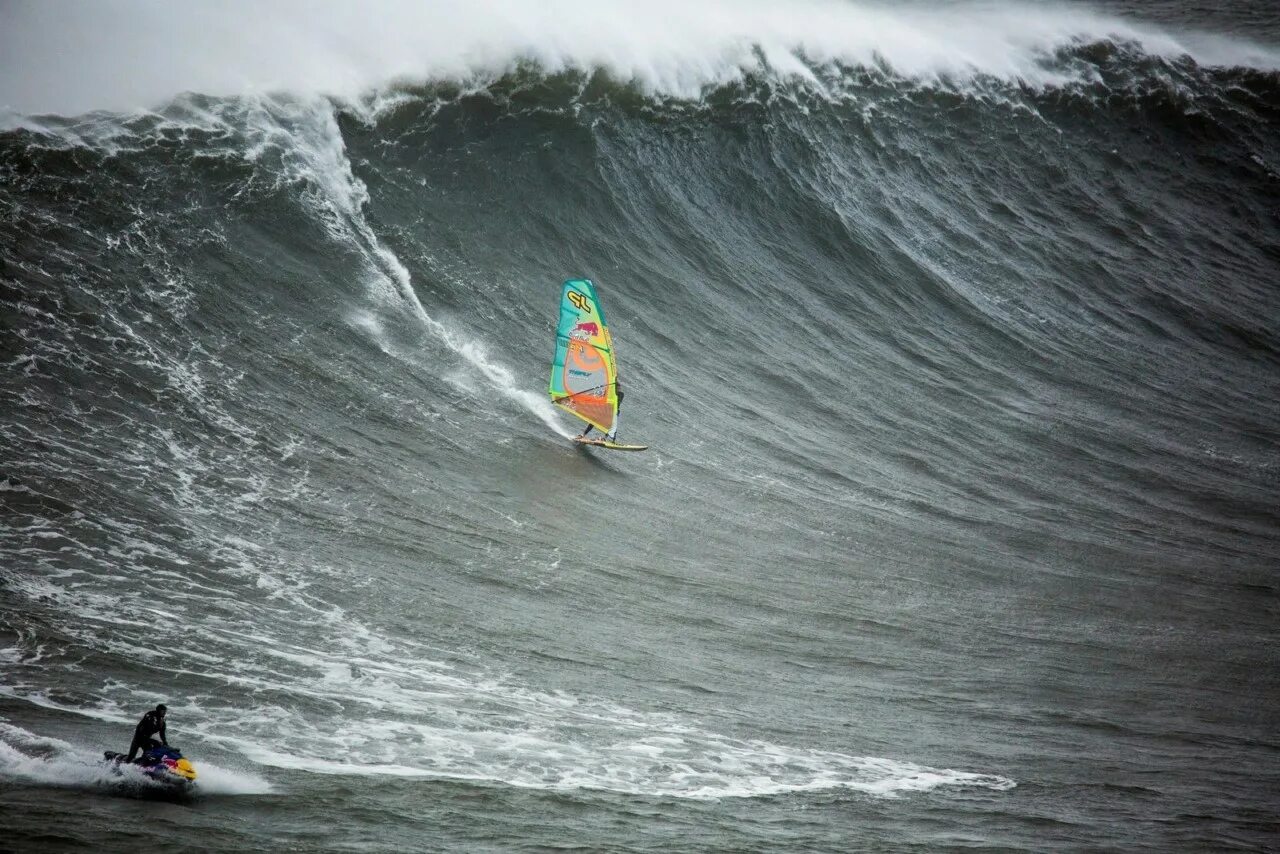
584	375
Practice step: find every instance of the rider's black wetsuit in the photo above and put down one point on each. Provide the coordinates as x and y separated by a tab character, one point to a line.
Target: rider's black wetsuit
151	724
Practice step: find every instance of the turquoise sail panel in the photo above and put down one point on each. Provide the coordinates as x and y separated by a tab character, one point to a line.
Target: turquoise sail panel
584	373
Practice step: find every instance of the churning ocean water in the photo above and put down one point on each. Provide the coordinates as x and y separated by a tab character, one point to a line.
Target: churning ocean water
951	328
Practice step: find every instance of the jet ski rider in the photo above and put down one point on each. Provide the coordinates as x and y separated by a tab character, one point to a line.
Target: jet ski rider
150	729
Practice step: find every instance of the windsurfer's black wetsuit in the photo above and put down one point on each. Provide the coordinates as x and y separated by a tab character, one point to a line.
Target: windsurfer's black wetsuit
619	388
152	723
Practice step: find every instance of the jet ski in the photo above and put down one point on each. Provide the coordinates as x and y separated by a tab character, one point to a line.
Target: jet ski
164	765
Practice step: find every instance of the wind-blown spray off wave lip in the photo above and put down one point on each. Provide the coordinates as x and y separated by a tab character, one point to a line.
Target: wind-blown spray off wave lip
668	48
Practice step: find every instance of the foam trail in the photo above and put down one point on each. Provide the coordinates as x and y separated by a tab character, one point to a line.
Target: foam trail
216	780
325	163
498	376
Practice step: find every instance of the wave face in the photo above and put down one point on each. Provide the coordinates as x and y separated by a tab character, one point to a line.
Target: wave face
952	334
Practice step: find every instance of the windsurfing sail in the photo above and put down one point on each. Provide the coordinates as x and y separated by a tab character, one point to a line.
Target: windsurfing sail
584	374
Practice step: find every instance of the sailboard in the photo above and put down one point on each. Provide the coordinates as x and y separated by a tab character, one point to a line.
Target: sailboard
605	443
584	371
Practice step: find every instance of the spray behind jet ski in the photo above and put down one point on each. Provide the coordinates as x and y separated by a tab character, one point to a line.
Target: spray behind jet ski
161	764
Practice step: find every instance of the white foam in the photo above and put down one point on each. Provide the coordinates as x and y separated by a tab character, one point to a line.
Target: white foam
34	759
360	704
406	717
217	780
72	57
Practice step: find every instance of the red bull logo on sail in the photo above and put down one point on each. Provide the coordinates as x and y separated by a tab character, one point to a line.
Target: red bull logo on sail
583	331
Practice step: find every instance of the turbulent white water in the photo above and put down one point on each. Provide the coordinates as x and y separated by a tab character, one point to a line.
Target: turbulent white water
68	58
380	708
32	759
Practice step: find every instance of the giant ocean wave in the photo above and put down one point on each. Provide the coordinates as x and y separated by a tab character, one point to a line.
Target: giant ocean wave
914	306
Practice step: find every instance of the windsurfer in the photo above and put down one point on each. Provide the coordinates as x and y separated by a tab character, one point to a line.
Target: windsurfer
614	432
